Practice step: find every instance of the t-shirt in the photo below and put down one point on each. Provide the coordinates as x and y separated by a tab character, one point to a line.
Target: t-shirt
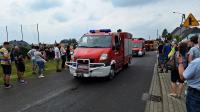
31	53
160	49
192	74
18	56
57	53
195	51
62	50
166	50
37	55
5	56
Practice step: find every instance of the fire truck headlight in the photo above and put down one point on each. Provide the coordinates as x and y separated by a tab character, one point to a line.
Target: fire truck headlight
104	57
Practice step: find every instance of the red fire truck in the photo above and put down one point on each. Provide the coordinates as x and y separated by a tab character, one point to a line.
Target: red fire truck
138	47
101	53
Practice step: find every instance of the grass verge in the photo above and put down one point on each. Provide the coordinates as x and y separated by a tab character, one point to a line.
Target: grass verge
49	67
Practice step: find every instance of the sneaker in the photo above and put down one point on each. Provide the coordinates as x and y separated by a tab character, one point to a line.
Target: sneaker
8	86
23	82
41	76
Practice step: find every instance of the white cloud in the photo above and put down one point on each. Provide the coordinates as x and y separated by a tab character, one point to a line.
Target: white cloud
72	18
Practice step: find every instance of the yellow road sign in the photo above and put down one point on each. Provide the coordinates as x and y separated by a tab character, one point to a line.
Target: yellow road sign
191	21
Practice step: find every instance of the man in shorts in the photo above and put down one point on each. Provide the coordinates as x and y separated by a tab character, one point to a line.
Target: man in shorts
32	56
20	64
6	64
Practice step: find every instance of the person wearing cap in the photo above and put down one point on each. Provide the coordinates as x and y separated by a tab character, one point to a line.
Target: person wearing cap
192	75
6	64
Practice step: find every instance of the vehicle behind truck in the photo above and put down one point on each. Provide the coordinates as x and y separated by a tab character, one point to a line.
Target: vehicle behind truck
101	53
138	47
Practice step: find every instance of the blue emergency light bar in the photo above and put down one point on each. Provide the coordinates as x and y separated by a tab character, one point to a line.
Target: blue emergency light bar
101	30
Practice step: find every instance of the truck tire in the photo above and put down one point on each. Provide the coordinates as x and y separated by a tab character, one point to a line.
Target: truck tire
112	74
127	65
77	78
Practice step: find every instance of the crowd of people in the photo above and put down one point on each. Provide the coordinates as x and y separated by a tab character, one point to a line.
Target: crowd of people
38	55
183	60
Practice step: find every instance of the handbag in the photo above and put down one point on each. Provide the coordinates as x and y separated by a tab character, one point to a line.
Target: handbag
171	64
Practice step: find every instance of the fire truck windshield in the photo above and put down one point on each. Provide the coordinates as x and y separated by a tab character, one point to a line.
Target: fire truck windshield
137	45
95	42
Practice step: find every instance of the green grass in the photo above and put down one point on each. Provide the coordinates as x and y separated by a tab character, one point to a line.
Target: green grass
49	67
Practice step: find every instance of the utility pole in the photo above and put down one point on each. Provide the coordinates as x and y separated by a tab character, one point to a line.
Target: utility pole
38	34
157	34
22	33
7	33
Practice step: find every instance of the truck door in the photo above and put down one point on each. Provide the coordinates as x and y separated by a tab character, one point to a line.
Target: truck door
118	51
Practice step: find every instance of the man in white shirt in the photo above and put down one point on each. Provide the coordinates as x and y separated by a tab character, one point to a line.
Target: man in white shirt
57	57
32	56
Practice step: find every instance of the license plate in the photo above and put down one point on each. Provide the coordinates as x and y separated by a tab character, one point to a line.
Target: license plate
83	67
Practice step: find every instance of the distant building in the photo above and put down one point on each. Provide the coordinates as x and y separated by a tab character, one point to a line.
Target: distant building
186	33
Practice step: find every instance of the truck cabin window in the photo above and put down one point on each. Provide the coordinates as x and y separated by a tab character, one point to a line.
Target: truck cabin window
95	42
137	45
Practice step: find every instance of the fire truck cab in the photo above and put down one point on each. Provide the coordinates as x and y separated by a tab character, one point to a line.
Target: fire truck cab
101	53
138	47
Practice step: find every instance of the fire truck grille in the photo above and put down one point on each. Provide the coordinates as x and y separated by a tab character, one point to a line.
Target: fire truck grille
84	62
92	60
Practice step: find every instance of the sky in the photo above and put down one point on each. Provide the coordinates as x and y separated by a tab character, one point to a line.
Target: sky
60	19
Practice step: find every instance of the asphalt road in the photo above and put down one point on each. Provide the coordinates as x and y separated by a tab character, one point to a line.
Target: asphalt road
62	93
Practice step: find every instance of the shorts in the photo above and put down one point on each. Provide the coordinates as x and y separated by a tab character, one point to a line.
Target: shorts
161	59
175	76
40	64
34	62
7	69
20	67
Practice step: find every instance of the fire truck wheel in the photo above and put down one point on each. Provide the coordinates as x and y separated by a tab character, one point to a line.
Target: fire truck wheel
77	78
112	74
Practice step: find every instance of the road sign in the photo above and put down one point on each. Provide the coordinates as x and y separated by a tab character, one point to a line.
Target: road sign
191	21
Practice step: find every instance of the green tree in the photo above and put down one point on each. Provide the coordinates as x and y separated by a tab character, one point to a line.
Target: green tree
164	33
178	38
169	36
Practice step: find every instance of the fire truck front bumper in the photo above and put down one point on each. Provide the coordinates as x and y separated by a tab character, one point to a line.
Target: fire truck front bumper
89	70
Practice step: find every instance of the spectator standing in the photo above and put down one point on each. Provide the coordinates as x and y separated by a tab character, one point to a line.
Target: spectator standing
57	57
68	52
166	51
160	56
63	55
32	56
175	77
192	76
40	62
194	51
20	64
6	64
